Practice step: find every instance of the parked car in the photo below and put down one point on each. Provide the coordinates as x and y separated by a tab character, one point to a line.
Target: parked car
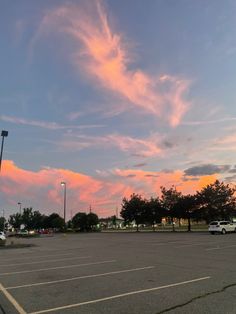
2	236
221	226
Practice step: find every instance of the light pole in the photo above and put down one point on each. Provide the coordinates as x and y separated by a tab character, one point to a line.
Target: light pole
64	184
20	206
3	134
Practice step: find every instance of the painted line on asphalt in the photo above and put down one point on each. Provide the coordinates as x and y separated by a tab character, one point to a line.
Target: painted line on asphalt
12	300
81	277
220	248
52	268
35	256
47	261
117	296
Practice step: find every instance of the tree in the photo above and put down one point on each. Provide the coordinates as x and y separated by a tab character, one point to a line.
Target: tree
54	221
2	223
79	221
153	211
169	198
217	201
27	218
133	209
15	220
92	221
113	219
185	208
37	220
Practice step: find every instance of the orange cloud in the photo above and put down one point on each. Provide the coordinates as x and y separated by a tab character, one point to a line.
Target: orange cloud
41	189
105	57
149	182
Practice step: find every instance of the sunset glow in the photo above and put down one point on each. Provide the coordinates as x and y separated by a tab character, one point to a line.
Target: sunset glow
113	99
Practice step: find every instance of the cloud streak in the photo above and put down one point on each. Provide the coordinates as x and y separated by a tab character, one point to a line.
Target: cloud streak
46	125
147	147
104	55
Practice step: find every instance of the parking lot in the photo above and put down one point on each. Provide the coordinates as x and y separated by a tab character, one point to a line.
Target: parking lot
120	273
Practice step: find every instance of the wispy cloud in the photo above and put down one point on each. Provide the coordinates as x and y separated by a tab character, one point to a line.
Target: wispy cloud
203	122
104	55
46	125
146	147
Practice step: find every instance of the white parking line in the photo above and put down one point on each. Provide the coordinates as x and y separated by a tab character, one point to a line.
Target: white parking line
119	296
81	277
220	248
47	261
12	300
52	268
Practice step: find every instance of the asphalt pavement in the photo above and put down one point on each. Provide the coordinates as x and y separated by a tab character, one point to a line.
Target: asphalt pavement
120	273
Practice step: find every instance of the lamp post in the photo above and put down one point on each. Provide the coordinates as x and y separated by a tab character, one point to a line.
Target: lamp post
3	134
20	206
64	184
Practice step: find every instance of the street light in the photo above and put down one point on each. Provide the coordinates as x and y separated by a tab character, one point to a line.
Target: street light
20	207
64	184
3	134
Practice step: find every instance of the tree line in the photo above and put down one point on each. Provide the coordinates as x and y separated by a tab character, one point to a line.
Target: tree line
216	201
34	220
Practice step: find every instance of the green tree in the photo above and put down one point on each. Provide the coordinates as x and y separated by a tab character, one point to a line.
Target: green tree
113	219
92	221
15	220
133	209
153	211
169	198
217	201
79	221
54	221
2	223
27	218
185	208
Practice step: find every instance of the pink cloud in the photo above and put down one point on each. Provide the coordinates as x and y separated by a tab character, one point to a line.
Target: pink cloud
41	189
147	147
105	57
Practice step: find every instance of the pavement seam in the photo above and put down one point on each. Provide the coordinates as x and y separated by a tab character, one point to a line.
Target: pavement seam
196	298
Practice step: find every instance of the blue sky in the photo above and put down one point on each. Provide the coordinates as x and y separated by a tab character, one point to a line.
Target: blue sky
115	97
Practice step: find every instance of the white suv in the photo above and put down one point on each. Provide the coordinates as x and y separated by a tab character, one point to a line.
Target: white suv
222	226
2	236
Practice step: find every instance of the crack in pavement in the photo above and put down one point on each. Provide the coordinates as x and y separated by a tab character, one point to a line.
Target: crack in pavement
196	298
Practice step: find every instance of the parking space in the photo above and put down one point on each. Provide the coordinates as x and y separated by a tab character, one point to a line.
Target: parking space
120	273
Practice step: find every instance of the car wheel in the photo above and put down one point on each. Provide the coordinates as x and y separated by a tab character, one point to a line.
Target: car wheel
212	232
223	231
235	230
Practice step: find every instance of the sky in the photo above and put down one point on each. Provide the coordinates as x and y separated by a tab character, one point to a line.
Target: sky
114	98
